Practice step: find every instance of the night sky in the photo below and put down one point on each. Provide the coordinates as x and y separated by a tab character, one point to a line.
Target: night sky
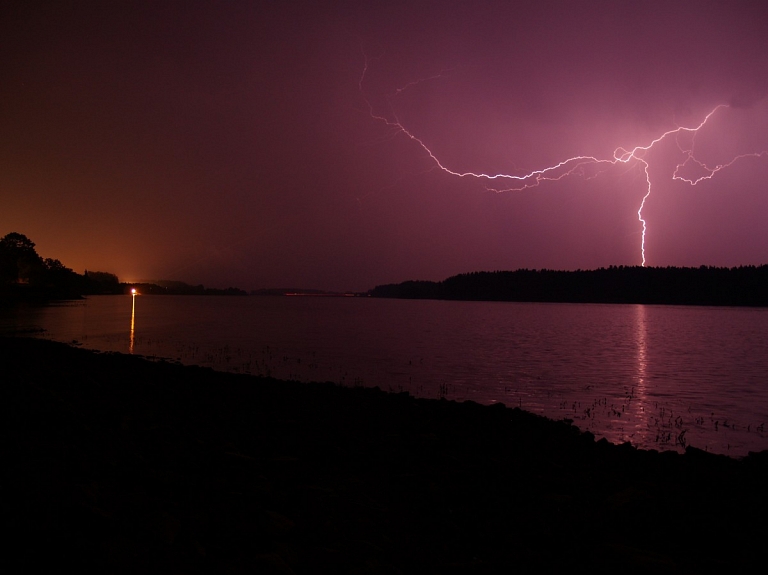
261	144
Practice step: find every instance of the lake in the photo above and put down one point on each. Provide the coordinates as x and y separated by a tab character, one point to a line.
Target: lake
660	377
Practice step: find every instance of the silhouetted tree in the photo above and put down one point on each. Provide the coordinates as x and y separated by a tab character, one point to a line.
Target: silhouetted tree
61	281
102	283
19	262
25	275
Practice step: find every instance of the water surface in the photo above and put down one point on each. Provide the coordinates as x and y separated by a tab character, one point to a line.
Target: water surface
659	377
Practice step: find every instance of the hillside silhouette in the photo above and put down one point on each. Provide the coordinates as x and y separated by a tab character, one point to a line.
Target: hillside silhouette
705	285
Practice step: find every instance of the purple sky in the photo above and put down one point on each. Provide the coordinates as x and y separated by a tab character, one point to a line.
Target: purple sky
229	143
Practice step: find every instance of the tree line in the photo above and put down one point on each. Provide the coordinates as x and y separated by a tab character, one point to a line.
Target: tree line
705	285
25	275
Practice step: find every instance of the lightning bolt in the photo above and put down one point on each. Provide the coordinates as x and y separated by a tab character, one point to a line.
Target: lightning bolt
574	166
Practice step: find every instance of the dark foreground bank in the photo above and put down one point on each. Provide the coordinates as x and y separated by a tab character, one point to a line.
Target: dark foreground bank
116	464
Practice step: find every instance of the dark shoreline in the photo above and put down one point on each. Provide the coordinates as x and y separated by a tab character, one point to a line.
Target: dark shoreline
743	286
118	464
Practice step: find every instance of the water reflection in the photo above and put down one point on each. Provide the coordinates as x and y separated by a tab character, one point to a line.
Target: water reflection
638	396
133	321
21	319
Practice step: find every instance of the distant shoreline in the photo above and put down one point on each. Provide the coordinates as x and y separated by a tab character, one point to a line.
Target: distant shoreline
707	286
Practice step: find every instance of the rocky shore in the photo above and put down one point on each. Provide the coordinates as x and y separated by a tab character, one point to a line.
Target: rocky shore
114	464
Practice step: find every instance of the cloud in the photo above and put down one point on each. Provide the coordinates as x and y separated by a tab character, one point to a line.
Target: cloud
749	98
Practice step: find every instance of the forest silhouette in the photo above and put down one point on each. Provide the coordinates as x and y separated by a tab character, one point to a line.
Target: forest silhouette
705	285
26	276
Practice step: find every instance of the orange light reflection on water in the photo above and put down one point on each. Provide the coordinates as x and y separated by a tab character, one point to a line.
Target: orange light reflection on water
133	321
